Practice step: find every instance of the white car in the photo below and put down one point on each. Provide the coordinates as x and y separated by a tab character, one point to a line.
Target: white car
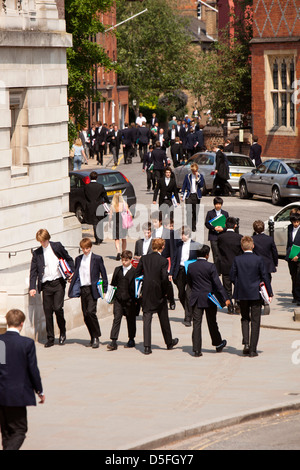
281	222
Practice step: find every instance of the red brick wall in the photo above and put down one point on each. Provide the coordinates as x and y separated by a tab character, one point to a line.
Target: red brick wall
280	23
279	27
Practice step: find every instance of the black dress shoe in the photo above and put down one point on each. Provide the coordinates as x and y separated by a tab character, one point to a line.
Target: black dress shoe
197	353
174	342
147	350
246	349
253	354
130	344
172	305
95	343
112	346
49	344
118	257
62	340
221	346
187	323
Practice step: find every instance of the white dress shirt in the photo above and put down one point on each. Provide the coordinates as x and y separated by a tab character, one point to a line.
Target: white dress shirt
146	244
185	253
51	271
85	270
159	231
294	232
126	269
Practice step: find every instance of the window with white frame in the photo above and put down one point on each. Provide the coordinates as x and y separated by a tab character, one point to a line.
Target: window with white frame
199	10
280	78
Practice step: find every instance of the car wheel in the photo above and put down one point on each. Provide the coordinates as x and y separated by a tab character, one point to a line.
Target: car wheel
79	213
276	198
244	194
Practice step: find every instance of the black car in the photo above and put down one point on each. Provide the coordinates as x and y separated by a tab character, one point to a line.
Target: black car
112	180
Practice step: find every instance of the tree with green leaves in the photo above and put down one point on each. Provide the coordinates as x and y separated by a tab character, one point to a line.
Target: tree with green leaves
83	22
154	51
222	76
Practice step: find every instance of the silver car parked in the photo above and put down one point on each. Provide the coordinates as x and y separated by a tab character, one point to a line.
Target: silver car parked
206	161
274	178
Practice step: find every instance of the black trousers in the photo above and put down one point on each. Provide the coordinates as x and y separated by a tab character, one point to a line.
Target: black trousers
53	302
183	293
100	152
13	425
192	211
211	317
216	254
224	185
89	310
251	314
120	310
294	268
227	284
142	150
164	321
150	180
128	152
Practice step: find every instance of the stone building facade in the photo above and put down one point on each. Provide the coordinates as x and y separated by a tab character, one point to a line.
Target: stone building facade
275	74
34	149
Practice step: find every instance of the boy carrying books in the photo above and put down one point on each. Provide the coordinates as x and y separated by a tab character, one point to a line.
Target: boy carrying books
89	267
215	222
293	254
124	301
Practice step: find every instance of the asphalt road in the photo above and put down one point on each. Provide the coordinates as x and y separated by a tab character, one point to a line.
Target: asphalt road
277	432
246	210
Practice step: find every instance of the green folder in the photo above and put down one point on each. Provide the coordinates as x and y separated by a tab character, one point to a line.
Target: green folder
295	250
219	221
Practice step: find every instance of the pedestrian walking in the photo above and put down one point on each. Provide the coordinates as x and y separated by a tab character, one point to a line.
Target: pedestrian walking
79	154
95	195
89	268
46	277
191	193
154	269
119	213
20	380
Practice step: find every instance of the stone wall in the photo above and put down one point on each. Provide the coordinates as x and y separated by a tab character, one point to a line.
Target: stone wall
34	150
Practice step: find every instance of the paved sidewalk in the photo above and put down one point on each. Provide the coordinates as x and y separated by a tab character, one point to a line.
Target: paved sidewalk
113	400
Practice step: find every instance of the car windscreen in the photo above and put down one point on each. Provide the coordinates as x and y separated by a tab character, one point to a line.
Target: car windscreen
111	179
239	160
294	166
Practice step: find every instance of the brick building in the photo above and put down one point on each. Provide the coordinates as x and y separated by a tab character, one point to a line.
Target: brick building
275	68
114	106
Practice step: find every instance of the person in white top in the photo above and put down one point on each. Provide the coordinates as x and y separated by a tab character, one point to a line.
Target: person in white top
46	277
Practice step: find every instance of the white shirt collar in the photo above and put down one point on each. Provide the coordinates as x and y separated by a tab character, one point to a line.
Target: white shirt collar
15	330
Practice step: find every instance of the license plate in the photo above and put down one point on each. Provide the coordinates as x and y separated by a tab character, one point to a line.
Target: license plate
111	193
236	174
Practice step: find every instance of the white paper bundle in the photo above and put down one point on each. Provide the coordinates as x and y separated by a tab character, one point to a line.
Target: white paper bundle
264	293
138	286
110	294
100	288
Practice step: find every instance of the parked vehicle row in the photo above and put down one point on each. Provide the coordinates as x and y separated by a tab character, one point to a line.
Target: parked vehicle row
206	161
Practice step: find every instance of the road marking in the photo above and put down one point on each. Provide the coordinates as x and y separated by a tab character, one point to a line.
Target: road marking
120	159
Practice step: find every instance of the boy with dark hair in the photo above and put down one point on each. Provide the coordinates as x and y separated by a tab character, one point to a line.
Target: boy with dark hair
215	230
125	303
294	262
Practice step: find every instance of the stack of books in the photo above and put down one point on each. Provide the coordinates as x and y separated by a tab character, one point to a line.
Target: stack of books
214	299
64	268
219	221
110	294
